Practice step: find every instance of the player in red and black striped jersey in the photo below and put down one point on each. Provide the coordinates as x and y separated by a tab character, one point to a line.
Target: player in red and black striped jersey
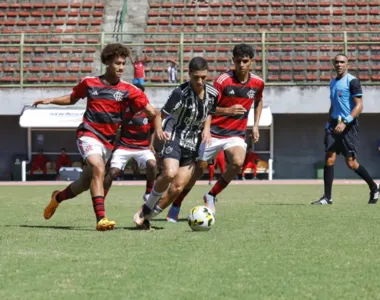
135	142
106	96
238	91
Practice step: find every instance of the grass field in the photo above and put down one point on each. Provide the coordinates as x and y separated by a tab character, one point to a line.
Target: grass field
268	243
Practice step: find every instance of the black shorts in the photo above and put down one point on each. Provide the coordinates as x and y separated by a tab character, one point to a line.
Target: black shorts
345	143
172	149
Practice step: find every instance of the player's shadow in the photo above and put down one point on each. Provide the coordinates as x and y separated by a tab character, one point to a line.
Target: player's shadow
139	229
282	204
51	227
164	220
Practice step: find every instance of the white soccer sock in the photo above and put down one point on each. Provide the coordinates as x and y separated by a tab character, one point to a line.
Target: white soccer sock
154	197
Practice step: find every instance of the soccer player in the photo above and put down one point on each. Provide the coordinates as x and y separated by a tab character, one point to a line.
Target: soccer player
238	90
342	129
135	142
106	96
188	111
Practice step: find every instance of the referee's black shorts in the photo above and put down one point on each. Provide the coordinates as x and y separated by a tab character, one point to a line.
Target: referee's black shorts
345	143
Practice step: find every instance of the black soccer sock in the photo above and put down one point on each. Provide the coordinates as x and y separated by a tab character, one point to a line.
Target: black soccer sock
328	177
362	172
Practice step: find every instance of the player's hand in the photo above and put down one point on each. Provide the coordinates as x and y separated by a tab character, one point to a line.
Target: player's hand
206	137
162	135
237	109
255	134
42	101
340	128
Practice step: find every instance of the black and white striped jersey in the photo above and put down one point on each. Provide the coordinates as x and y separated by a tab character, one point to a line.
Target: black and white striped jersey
188	113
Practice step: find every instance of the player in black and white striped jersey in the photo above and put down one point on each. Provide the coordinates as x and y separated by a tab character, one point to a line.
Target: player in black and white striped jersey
188	111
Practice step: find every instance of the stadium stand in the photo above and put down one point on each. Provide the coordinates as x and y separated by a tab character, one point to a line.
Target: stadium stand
294	41
308	39
46	25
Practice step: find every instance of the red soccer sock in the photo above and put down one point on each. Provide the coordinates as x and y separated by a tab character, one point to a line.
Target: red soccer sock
178	201
219	186
149	186
105	193
66	194
98	203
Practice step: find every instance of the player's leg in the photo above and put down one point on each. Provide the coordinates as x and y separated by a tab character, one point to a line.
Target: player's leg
205	155
359	169
96	155
119	159
179	183
71	191
349	145
328	178
222	164
235	151
211	173
169	172
145	159
254	168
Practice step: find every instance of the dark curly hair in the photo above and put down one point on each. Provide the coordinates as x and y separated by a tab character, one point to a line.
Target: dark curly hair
243	50
113	50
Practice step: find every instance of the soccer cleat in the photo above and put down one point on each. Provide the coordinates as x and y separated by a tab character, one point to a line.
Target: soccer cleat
374	195
322	201
105	224
210	202
141	220
173	214
145	197
52	206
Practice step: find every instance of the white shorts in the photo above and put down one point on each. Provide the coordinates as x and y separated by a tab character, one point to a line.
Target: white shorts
121	156
88	145
210	152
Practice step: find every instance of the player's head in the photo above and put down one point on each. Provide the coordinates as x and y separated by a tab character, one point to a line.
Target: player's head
198	71
243	58
340	62
114	57
140	87
63	151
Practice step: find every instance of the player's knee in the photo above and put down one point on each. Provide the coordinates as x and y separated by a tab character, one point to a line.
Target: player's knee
98	170
114	173
151	164
352	163
169	174
176	189
330	159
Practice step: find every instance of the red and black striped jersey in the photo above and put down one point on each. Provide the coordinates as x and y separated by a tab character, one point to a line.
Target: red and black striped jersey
105	107
231	92
135	130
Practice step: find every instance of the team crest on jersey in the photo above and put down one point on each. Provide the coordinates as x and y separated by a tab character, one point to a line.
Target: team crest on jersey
168	150
118	96
145	121
251	94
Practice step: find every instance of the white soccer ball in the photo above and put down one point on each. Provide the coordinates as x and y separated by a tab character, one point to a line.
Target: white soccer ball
201	218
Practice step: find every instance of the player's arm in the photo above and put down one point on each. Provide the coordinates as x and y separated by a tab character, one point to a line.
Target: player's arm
79	92
63	100
206	132
233	110
258	108
357	95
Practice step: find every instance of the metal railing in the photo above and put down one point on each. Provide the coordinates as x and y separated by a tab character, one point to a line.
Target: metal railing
267	44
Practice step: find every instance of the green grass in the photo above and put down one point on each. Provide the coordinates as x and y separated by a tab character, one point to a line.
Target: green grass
268	242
